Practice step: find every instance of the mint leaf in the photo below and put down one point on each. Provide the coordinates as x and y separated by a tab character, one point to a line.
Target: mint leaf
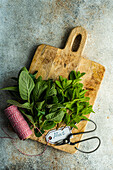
26	85
39	78
60	95
77	118
25	105
67	118
84	117
72	75
24	69
55	116
75	75
47	102
48	125
83	92
39	89
30	118
58	84
10	88
56	107
61	78
52	100
37	133
52	90
73	125
39	105
40	112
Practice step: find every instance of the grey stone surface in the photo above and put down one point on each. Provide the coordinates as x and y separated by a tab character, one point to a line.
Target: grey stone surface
24	24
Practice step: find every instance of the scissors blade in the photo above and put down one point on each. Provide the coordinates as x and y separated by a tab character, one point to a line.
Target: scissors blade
59	142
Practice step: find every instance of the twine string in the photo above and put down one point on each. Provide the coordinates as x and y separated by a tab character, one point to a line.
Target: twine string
21	127
13	141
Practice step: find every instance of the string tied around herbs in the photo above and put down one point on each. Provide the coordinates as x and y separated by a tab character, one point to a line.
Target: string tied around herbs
21	128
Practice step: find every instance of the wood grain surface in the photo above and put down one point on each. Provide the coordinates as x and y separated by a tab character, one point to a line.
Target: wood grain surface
50	62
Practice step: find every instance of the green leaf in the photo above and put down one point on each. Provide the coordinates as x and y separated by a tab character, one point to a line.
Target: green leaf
49	105
69	94
56	107
82	74
33	76
52	100
39	89
24	69
67	118
72	75
84	99
25	105
40	112
72	125
64	83
75	75
77	107
76	81
67	84
76	118
39	105
58	84
61	78
87	110
84	117
26	85
83	92
30	118
40	119
32	104
37	133
55	116
68	105
10	88
39	78
48	125
52	91
60	95
74	94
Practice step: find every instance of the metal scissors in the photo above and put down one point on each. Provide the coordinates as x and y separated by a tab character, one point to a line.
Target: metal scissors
67	138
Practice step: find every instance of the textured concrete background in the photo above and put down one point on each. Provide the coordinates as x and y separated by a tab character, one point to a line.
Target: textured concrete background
24	24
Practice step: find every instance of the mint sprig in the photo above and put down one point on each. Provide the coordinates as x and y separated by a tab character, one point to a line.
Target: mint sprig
47	103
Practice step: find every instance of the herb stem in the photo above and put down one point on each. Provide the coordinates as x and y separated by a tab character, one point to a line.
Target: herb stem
42	124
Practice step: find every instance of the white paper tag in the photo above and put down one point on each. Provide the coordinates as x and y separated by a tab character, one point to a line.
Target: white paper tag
56	135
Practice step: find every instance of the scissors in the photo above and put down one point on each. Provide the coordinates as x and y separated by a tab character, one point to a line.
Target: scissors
63	135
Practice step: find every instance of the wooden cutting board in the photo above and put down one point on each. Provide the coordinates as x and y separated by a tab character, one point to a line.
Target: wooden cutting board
50	62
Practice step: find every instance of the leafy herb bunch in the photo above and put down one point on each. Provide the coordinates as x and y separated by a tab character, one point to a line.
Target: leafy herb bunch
47	103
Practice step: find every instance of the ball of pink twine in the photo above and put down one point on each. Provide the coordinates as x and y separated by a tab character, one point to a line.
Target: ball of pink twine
18	122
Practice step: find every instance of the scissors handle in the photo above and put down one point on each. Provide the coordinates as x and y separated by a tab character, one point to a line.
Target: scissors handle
79	133
94	137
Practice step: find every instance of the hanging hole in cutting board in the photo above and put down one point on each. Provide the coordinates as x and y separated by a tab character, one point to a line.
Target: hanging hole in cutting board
76	43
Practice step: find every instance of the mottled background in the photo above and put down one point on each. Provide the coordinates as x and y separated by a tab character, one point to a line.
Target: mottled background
24	24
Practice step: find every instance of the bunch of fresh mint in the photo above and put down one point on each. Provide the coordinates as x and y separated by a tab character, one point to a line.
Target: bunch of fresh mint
47	103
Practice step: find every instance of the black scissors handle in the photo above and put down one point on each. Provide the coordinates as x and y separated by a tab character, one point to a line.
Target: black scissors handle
79	133
94	137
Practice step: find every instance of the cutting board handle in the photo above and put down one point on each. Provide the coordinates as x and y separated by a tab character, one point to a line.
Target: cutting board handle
77	31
